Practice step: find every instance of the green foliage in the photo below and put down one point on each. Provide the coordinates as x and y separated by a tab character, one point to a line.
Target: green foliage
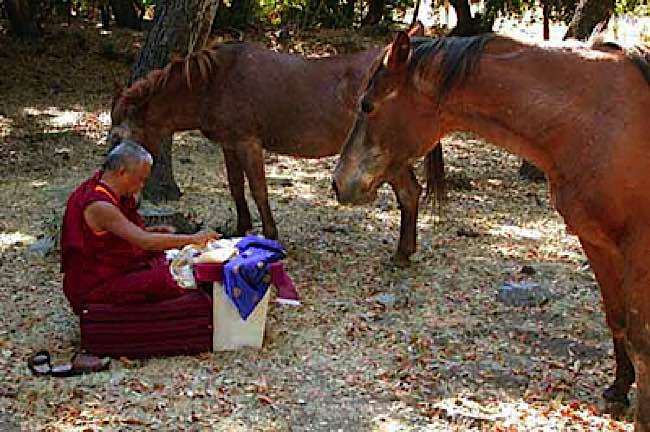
559	9
636	7
239	14
300	13
308	13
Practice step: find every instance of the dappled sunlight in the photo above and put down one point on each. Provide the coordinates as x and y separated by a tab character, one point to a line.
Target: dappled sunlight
5	126
374	346
516	232
464	413
57	118
9	239
507	413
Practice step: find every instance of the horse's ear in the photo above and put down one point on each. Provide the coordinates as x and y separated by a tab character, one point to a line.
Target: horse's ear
417	30
399	51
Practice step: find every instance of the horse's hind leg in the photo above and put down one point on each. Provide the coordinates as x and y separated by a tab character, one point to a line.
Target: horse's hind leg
407	190
251	154
636	290
607	264
236	185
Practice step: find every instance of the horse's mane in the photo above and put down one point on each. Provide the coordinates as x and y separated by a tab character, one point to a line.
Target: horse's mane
460	56
639	55
204	60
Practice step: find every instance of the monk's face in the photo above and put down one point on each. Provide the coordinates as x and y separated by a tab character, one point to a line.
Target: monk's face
133	178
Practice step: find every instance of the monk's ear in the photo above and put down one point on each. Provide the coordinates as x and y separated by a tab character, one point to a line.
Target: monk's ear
417	30
398	53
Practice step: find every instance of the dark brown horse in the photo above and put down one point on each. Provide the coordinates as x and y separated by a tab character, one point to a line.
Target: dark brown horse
579	113
250	99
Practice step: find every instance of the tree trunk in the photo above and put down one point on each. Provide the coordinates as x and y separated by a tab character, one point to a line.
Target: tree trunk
416	12
125	13
105	12
589	13
546	23
180	27
466	24
375	13
463	18
22	18
161	185
349	10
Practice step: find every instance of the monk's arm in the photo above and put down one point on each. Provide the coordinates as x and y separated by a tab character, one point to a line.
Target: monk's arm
162	229
103	216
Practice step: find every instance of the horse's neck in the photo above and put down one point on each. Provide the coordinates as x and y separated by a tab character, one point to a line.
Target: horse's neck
525	103
175	106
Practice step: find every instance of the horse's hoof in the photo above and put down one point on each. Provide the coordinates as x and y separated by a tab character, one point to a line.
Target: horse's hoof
613	395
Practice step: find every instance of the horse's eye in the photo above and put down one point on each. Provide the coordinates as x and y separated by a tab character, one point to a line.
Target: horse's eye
367	106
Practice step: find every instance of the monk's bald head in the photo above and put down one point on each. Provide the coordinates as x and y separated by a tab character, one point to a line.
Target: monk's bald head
126	155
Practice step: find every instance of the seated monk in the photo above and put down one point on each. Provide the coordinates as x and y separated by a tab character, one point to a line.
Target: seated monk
107	254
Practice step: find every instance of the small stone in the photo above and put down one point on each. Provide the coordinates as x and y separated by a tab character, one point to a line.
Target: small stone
523	294
384	298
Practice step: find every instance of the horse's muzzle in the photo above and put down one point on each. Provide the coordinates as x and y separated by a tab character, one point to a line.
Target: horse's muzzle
351	194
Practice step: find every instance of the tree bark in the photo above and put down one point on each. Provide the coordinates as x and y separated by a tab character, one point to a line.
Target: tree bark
466	24
22	18
463	17
125	13
546	24
416	12
589	13
105	13
180	27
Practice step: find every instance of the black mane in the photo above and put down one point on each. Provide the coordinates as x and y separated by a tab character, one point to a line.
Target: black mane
460	55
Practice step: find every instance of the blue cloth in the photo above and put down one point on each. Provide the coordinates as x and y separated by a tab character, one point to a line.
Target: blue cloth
246	277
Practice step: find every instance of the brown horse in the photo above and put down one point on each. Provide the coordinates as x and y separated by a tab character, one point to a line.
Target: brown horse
581	114
251	99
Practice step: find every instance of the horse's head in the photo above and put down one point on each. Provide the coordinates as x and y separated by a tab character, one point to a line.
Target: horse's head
393	126
128	121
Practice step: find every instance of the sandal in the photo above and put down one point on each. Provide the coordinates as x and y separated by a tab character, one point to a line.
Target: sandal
39	363
81	363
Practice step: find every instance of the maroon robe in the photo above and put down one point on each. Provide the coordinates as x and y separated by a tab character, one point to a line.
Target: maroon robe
100	267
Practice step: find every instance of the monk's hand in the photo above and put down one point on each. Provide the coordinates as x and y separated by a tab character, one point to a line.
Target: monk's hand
202	237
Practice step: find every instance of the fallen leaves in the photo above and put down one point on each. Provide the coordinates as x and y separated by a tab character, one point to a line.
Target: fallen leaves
372	346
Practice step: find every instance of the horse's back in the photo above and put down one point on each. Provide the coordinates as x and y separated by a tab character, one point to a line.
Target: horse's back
292	105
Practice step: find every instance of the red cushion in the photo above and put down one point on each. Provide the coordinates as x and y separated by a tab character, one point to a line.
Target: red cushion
171	327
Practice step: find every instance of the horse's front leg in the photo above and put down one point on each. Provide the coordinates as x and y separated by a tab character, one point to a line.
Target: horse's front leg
236	185
407	190
251	155
607	264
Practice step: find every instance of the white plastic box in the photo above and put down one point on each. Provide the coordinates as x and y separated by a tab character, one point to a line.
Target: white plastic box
230	331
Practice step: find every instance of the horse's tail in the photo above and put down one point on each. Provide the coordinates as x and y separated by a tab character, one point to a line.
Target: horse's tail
434	169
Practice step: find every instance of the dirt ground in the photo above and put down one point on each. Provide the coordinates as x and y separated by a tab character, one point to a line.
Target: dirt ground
372	347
